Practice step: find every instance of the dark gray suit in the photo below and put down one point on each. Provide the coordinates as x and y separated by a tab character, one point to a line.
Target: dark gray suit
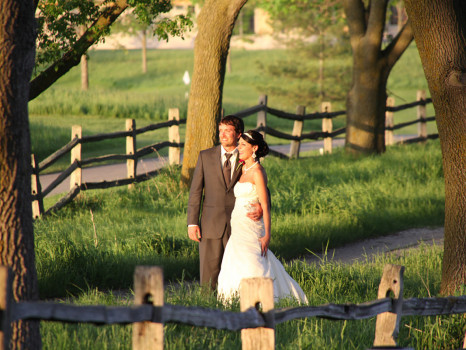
209	192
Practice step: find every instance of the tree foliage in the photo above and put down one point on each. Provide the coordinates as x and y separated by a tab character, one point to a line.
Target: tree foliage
314	30
59	45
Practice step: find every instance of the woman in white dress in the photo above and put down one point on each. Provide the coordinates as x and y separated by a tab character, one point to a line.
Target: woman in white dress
247	254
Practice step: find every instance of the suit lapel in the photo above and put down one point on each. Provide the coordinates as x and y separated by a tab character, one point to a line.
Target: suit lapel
218	167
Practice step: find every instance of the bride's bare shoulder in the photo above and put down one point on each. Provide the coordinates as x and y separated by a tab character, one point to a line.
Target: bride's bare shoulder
260	171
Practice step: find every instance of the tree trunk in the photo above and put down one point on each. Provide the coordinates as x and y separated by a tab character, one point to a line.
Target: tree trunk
215	24
17	37
365	106
440	33
144	51
321	65
84	73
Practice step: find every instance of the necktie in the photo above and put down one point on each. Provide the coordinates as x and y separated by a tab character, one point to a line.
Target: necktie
227	169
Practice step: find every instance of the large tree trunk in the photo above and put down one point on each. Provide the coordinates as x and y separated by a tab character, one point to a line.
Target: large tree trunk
215	24
17	38
440	33
371	68
365	104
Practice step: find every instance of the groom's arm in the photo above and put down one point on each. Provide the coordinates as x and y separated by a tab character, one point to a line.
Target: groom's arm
194	202
257	213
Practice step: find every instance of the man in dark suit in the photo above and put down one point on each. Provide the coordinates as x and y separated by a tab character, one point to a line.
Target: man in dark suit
216	173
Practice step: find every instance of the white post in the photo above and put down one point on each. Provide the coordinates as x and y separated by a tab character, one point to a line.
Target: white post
389	122
131	164
174	153
262	115
421	115
76	175
297	131
327	126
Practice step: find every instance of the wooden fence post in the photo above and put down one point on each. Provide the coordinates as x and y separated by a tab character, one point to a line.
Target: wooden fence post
421	115
5	304
389	122
297	131
174	153
36	190
262	115
148	289
258	292
132	163
387	324
327	126
76	175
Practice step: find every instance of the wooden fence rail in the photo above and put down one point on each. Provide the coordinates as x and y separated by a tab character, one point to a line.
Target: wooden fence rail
131	157
174	145
257	327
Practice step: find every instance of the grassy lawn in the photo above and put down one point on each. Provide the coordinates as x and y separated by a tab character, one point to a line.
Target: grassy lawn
119	90
324	283
316	201
93	245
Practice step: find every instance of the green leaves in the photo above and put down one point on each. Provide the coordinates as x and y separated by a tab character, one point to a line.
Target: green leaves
61	23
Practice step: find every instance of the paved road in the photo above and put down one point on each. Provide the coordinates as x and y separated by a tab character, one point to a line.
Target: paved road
118	171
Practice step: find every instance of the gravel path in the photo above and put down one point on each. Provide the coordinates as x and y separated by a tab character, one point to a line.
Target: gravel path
361	250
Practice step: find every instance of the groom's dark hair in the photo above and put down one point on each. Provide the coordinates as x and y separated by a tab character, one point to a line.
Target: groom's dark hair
234	121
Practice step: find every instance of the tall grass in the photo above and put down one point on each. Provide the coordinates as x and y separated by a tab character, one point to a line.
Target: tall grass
325	282
99	239
118	89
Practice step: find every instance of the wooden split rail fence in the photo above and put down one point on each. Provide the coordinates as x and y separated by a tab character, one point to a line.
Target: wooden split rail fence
326	115
257	324
74	171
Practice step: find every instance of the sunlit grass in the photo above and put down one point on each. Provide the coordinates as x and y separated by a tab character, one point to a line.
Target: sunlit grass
324	282
316	201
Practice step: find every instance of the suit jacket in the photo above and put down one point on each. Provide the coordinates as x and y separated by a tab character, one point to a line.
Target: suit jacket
210	192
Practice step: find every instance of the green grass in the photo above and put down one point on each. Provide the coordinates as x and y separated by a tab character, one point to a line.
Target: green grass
325	282
316	201
93	245
118	90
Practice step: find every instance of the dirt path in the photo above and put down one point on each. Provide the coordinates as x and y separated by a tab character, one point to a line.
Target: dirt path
368	248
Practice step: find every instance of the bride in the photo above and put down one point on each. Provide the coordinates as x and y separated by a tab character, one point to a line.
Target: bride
247	254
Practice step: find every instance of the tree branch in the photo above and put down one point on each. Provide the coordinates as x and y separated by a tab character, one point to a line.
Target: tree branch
376	22
355	15
72	57
399	44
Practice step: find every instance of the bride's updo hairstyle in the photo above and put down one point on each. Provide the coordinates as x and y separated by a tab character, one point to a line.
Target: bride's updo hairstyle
256	139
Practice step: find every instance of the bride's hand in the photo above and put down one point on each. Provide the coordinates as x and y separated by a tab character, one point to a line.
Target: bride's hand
264	242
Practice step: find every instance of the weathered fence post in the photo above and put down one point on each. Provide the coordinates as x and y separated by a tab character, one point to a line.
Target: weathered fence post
258	292
76	175
327	126
421	115
387	324
262	115
36	190
5	303
297	131
148	289
389	122
131	163
174	153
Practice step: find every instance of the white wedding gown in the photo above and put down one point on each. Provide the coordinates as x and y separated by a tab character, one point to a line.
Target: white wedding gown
242	257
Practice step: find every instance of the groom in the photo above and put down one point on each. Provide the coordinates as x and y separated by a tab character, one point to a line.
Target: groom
216	173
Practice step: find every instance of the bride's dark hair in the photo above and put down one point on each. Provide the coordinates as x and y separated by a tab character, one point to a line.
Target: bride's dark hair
256	139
